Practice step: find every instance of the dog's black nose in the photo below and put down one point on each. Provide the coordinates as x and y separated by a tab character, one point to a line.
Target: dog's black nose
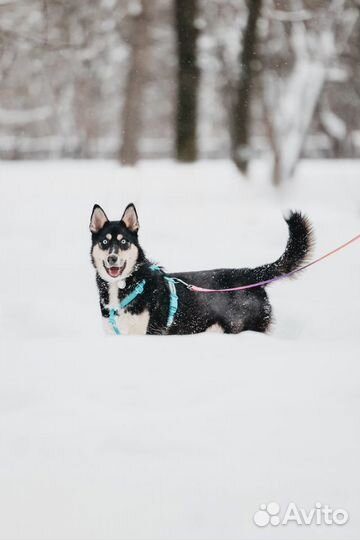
112	259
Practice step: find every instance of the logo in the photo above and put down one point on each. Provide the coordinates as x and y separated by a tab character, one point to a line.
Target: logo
320	514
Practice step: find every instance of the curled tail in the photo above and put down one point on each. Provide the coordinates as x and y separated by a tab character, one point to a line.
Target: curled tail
297	251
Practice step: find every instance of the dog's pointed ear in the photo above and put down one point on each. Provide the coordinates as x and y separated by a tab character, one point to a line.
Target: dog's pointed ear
98	219
130	218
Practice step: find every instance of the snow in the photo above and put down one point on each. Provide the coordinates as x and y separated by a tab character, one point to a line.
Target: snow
179	437
23	117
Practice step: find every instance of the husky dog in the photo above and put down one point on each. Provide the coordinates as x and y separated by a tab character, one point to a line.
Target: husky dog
138	297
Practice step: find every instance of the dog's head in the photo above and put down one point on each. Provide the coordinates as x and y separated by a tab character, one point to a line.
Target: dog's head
115	248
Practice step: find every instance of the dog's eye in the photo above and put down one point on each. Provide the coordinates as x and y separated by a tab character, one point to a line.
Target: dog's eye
123	241
104	242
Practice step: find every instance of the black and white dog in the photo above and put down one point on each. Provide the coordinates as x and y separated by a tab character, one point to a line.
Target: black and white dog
137	297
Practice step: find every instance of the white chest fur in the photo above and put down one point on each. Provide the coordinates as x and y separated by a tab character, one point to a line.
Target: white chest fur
126	322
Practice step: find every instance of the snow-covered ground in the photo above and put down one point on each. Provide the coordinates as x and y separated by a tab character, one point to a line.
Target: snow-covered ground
157	438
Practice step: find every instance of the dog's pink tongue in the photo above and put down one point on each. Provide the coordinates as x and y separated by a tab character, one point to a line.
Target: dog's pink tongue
114	271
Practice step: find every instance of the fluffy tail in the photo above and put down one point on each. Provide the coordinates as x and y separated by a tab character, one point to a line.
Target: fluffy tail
297	251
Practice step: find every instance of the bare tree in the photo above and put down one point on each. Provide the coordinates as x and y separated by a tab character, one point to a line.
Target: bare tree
133	106
188	80
290	103
241	117
82	79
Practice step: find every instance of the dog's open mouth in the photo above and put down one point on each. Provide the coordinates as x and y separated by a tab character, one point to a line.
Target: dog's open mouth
115	271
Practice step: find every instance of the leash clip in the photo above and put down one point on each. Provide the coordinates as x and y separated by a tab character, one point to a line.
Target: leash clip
187	285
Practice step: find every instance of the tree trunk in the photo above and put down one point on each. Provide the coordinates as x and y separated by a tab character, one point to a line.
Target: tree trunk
291	107
241	117
133	106
291	118
187	80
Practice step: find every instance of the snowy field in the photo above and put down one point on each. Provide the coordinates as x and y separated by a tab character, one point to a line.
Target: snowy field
175	438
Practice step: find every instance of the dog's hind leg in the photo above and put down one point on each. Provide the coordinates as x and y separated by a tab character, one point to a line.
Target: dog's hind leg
233	326
259	319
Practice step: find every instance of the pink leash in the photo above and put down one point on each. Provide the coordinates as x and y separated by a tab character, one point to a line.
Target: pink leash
194	288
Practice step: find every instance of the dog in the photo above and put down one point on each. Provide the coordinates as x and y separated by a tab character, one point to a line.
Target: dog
138	297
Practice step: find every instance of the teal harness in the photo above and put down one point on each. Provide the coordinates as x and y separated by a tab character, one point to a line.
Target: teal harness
139	289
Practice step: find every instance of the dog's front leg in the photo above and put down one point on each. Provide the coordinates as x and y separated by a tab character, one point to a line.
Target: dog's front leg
108	329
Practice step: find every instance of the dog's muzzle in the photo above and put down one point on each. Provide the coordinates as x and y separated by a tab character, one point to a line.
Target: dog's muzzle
114	266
